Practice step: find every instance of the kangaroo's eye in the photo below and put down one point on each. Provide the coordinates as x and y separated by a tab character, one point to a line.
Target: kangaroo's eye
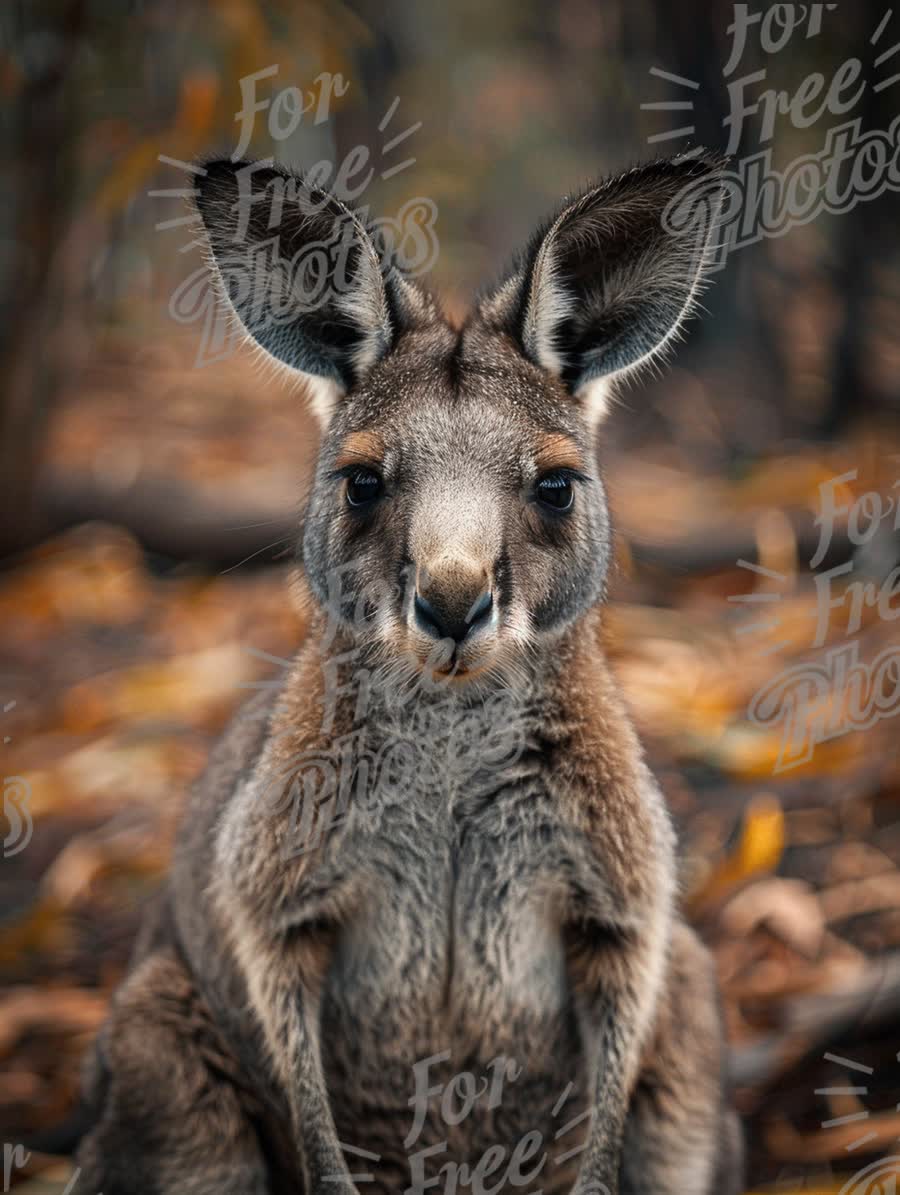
555	490
363	487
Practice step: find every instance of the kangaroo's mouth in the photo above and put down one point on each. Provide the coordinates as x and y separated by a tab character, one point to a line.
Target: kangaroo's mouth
457	671
456	664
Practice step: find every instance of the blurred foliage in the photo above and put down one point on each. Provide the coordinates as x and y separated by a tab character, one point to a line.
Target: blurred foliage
124	659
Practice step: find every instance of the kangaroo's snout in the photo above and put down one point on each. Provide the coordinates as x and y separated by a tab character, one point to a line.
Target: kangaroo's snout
452	601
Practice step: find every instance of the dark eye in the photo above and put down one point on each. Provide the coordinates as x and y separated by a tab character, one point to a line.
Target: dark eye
555	491
363	487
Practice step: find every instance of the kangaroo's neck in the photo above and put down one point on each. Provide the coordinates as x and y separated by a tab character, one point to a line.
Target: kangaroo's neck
340	686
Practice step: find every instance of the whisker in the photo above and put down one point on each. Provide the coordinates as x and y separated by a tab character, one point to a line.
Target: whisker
282	539
249	526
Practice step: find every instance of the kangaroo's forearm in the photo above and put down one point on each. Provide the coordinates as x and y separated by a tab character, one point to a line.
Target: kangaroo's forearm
283	985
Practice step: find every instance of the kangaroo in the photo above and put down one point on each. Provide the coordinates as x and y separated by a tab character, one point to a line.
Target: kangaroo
421	929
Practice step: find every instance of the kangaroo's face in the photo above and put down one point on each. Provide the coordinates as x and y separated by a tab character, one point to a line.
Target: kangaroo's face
459	482
457	517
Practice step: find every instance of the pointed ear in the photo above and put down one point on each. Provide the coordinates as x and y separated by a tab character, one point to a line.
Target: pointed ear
604	286
300	272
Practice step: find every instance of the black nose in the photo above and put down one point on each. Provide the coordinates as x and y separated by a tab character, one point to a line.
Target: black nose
438	619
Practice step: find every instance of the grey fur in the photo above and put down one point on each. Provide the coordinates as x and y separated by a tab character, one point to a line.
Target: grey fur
515	898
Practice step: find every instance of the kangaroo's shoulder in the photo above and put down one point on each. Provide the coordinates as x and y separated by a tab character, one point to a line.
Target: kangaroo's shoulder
233	757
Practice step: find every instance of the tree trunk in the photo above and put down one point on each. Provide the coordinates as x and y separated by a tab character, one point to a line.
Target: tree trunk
36	188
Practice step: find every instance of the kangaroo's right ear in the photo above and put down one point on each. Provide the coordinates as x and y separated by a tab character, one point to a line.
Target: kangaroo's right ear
605	285
301	273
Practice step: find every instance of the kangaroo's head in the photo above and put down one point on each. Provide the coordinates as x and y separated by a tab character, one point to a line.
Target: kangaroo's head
457	515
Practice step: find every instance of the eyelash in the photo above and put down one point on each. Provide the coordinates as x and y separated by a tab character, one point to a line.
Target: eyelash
563	471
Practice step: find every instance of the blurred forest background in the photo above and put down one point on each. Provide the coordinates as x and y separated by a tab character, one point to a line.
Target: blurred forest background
149	489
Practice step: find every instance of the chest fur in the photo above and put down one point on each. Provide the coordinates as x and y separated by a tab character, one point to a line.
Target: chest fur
449	859
448	1026
454	931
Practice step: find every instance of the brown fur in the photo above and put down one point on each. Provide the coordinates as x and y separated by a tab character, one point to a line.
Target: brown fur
507	905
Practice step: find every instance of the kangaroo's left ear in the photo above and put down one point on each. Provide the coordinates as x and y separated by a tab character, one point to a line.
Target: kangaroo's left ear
303	275
605	285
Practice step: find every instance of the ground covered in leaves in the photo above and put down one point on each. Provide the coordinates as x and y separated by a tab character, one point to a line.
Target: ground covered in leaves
119	666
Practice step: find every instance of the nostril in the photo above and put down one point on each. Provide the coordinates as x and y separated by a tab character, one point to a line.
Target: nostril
427	617
444	624
481	609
